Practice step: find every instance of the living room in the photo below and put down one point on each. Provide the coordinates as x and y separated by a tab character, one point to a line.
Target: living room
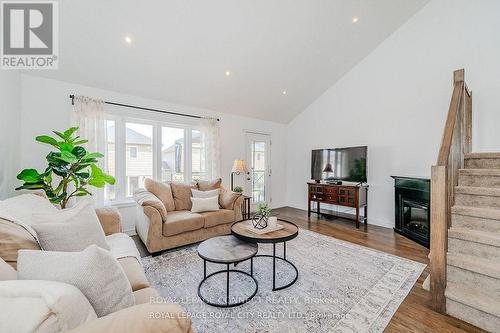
315	166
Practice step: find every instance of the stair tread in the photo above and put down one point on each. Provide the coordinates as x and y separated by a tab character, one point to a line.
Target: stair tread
480	172
474	190
488	238
482	155
473	298
486	213
474	264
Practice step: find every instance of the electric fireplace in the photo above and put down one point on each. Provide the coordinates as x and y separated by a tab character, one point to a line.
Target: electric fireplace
412	208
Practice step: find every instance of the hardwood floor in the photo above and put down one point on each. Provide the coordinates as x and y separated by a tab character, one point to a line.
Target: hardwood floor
415	313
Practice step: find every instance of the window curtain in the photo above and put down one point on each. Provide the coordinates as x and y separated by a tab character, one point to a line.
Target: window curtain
211	143
89	117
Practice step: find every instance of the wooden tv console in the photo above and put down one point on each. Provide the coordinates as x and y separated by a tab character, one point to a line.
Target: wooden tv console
354	196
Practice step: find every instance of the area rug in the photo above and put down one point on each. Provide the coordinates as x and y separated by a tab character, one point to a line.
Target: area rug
342	287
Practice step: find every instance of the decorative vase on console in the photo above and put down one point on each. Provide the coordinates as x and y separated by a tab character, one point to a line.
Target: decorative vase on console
262	216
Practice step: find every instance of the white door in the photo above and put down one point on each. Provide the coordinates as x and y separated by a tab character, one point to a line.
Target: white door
258	155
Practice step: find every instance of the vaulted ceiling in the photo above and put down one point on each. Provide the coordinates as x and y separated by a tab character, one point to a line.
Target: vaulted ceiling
235	56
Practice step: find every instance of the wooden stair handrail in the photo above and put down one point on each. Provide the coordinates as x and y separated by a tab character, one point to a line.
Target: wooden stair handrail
456	142
444	151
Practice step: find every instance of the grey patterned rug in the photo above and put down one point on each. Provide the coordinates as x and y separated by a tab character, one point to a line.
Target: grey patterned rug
342	287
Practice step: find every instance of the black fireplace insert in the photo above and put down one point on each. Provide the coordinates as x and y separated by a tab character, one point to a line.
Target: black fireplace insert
412	208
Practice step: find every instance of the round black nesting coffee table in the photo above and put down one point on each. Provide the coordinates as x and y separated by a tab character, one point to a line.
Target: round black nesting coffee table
226	250
289	231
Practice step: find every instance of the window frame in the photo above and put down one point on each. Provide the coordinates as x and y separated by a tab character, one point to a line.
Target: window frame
120	119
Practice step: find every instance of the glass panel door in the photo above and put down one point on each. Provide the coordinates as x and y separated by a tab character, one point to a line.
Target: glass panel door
258	157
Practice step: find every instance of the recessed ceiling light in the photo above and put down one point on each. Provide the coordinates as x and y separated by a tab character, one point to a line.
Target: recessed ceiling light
284	92
128	40
228	73
355	19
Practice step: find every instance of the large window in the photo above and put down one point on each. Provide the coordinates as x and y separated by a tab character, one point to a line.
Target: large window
137	149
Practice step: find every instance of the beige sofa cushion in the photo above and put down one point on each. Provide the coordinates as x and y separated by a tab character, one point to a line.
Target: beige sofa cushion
110	219
13	238
134	272
6	271
182	195
146	198
227	198
144	318
208	185
221	216
162	191
145	296
182	221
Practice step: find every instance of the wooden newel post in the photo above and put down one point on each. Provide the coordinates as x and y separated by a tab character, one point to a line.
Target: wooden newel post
439	237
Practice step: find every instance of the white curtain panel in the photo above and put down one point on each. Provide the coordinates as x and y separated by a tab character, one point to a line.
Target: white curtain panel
211	142
89	117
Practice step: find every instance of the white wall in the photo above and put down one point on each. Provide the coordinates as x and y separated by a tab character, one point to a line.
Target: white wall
46	106
396	100
10	122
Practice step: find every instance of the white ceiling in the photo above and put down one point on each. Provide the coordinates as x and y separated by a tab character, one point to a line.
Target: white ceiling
181	49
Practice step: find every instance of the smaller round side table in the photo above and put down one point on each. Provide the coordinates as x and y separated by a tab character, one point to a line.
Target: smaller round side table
226	250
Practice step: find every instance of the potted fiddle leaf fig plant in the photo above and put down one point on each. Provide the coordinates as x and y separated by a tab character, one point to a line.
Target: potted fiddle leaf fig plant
71	169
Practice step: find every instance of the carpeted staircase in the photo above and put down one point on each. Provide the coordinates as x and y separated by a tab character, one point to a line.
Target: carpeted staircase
473	260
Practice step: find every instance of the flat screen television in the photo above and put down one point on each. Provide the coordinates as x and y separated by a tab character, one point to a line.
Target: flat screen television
339	164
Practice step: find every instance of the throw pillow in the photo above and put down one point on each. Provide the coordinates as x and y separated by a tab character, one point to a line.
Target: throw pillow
205	194
146	198
182	195
94	271
207	185
162	191
20	209
71	229
42	306
201	205
227	198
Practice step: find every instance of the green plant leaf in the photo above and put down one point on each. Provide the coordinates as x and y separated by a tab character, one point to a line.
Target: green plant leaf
48	140
80	142
60	170
68	157
93	155
109	179
81	167
97	182
79	152
66	147
70	132
82	175
59	134
34	186
29	176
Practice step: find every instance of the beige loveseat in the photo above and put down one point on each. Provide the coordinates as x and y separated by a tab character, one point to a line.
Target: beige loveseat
164	218
137	318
